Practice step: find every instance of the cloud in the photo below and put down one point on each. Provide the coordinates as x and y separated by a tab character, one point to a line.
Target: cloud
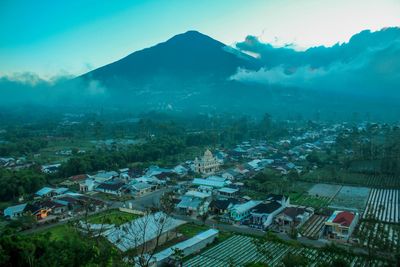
370	61
61	89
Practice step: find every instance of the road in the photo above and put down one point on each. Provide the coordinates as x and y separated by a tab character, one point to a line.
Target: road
144	202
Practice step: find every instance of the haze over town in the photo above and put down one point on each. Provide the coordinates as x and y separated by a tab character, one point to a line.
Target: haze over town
200	133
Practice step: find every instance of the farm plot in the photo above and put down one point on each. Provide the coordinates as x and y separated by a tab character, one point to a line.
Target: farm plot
383	205
324	190
383	236
240	250
350	197
313	227
383	181
311	201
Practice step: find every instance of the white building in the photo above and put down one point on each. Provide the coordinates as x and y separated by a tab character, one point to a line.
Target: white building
207	164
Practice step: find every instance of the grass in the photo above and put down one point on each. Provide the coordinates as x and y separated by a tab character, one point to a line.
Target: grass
190	229
112	217
117	217
60	232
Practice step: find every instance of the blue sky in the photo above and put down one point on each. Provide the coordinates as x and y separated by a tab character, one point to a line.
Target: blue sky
50	37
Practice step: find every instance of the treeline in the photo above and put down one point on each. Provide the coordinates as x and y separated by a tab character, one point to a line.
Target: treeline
42	250
377	148
22	147
153	150
18	183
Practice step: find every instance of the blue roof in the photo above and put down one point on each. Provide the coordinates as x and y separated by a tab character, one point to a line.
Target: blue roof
160	256
14	209
201	181
61	190
44	191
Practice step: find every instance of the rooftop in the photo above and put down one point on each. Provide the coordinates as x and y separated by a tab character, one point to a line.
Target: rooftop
228	190
246	206
267	208
131	235
162	255
44	191
207	182
344	218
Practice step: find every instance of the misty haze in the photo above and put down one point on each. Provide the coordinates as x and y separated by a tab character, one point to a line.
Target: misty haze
209	133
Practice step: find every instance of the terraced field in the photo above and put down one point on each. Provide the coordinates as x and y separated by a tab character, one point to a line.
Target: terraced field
313	227
240	250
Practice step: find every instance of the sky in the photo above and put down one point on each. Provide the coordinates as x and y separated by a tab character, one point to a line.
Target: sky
70	37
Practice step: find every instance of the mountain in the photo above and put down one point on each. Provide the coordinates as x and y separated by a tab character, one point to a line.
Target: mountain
192	72
185	58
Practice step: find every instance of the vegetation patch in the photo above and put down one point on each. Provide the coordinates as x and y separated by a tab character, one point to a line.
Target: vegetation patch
116	217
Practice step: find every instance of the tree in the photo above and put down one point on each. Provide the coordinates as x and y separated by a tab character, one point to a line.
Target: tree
142	237
294	260
167	204
177	257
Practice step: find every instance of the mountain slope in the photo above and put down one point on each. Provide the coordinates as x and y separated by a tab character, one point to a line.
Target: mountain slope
186	57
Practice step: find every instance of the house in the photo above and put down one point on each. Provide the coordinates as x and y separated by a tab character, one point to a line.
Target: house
292	217
60	190
152	180
205	189
281	199
213	181
44	192
112	187
232	174
87	186
155	171
262	215
222	206
242	211
180	170
141	188
49	169
14	212
54	207
103	176
76	179
187	247
207	164
228	192
340	225
146	231
37	210
194	203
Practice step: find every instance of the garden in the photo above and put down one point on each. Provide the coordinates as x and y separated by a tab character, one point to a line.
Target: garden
240	250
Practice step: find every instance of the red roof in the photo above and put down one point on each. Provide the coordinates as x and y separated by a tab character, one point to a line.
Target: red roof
344	218
78	177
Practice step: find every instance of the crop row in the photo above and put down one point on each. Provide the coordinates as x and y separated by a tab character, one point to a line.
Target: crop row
240	250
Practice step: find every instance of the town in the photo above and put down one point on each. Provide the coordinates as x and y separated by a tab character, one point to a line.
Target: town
200	133
257	201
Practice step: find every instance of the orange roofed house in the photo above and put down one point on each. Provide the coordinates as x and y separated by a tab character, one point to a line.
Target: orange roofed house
340	225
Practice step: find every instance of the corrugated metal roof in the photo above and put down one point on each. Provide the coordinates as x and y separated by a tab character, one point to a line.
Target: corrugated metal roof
185	244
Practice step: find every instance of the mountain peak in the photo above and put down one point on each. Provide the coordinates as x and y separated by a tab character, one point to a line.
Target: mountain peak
192	36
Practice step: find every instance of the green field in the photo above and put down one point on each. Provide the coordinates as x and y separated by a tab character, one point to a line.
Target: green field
112	217
60	232
190	229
